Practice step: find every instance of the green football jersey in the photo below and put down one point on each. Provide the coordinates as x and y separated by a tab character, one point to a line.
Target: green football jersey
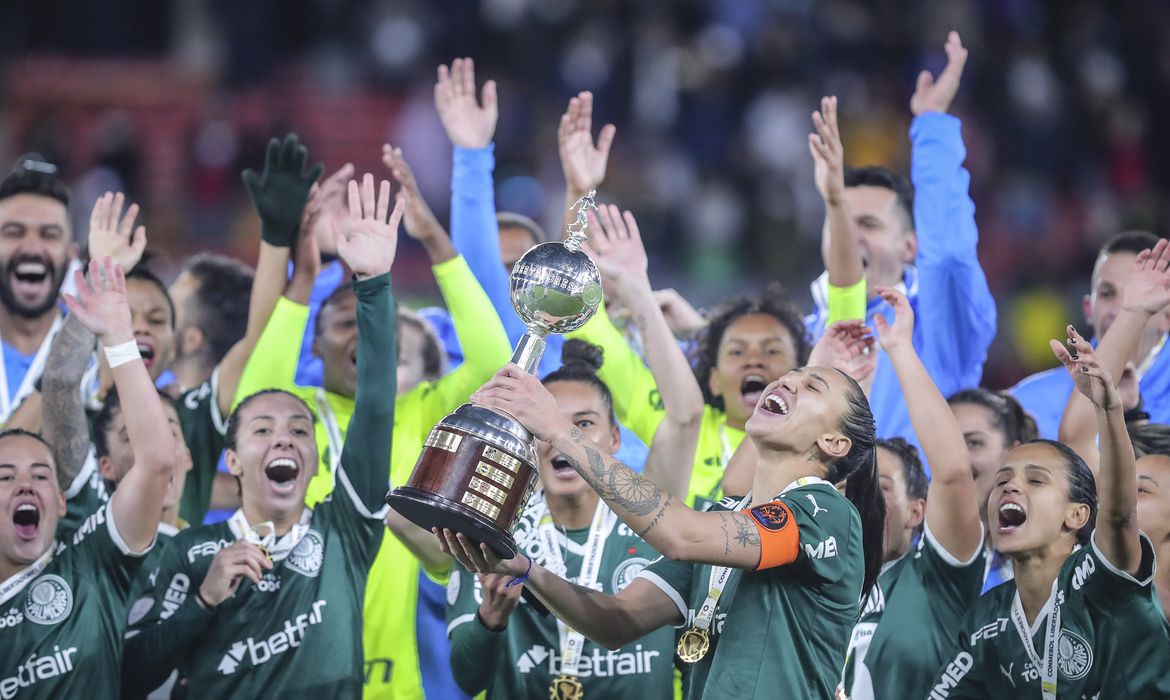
909	622
522	660
203	430
1111	644
785	629
687	584
295	634
62	618
83	498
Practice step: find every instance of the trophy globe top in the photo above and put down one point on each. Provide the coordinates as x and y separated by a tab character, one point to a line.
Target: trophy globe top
555	288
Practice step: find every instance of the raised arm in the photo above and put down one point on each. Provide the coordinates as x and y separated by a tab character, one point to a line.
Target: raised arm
952	508
367	242
1146	293
954	304
100	305
1116	531
616	247
841	242
582	161
418	219
285	191
675	530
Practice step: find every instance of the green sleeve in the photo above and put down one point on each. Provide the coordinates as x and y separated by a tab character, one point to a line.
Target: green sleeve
955	584
674	578
846	303
476	651
961	676
635	393
366	453
157	644
824	520
273	364
481	335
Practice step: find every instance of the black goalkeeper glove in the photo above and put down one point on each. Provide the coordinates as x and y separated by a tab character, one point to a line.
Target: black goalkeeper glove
281	191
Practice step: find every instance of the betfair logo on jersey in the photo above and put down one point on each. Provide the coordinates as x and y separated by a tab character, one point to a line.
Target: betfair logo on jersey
259	652
49	600
952	674
306	558
601	664
38	668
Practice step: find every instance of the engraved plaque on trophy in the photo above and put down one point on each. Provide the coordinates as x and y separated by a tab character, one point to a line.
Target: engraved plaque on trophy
479	466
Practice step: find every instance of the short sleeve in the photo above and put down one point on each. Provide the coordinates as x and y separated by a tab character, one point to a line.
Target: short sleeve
461	602
824	520
956	582
1099	579
674	578
99	547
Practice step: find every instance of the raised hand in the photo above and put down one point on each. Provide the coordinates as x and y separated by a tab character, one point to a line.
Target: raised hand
468	124
418	219
847	346
684	319
1090	377
582	161
499	600
100	304
900	335
828	153
1148	288
329	198
113	234
932	95
281	190
365	241
616	246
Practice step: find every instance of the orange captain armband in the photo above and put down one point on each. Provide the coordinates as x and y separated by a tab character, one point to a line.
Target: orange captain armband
779	538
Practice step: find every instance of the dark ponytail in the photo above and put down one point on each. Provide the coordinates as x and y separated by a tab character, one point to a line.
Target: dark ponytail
859	470
580	362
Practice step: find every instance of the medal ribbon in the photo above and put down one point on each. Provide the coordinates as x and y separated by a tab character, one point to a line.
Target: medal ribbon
263	535
332	432
572	641
16	584
1045	667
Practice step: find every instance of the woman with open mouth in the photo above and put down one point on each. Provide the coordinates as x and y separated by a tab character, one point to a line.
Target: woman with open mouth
270	601
1080	618
804	553
66	602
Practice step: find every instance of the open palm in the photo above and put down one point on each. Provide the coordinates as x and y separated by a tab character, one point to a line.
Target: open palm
1148	287
583	162
112	234
366	241
900	333
468	125
616	246
1090	378
101	304
847	346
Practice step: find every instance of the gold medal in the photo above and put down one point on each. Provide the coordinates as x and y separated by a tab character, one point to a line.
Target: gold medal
693	645
565	687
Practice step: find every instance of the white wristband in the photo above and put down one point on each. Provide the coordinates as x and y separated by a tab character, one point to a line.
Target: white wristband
121	354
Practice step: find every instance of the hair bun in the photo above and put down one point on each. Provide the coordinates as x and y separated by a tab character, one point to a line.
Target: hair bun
582	355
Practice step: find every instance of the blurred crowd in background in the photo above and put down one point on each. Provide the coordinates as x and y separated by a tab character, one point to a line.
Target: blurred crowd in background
167	100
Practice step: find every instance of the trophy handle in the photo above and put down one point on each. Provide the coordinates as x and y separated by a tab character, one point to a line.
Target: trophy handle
530	349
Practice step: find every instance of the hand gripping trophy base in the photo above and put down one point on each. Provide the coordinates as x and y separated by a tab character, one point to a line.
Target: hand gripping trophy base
479	466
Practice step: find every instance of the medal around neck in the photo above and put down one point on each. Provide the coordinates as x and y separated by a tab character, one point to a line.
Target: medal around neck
478	466
566	687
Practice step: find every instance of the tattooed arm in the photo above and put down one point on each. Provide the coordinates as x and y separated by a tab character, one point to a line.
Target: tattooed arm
721	538
65	426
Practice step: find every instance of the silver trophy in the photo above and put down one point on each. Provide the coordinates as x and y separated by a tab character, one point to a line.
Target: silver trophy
478	466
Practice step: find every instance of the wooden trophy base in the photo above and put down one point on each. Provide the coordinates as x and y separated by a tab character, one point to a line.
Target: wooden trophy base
428	510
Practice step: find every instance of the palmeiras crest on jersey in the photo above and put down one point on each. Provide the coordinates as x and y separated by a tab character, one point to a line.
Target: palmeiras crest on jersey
306	558
1074	656
49	600
626	572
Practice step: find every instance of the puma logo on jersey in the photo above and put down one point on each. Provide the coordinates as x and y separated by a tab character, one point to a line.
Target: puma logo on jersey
258	652
38	668
601	664
816	507
954	672
1008	672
